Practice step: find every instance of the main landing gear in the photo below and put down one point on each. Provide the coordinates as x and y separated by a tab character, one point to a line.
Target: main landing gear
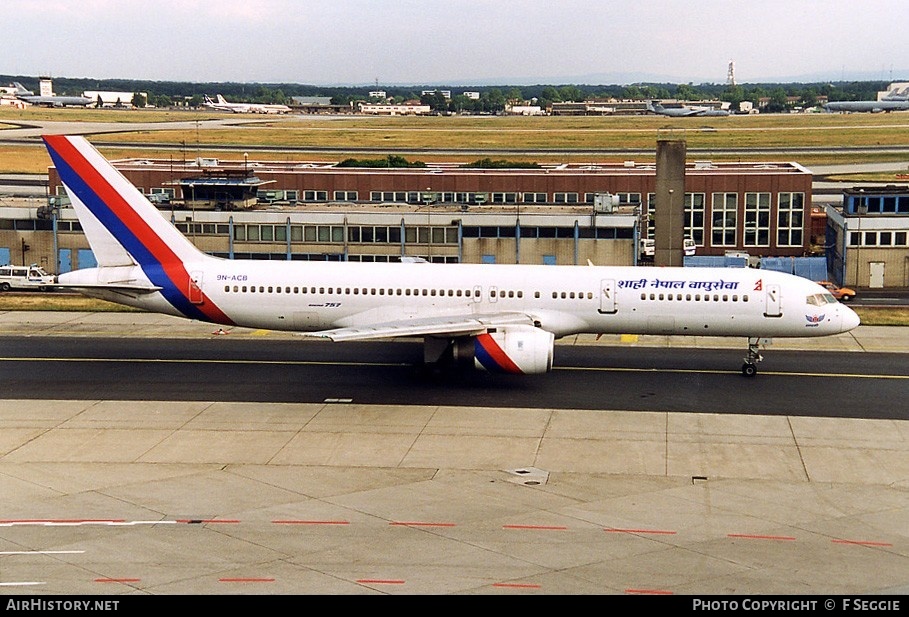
752	357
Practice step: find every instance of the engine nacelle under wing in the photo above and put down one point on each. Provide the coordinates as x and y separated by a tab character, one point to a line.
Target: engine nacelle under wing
520	350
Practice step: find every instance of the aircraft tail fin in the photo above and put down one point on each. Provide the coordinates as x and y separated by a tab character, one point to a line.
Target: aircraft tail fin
122	226
20	89
133	244
222	100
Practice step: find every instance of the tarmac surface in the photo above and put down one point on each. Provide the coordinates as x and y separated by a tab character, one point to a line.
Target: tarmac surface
112	497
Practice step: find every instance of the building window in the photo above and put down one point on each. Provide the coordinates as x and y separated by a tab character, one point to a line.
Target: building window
694	217
565	198
504	198
346	196
724	219
534	198
315	195
757	219
790	219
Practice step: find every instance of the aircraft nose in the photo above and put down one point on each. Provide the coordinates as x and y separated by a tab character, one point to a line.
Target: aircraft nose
850	319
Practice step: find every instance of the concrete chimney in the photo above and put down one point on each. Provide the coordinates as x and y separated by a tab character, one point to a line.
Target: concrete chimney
669	213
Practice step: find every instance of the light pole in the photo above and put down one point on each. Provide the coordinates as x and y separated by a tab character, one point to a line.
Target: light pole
428	200
192	205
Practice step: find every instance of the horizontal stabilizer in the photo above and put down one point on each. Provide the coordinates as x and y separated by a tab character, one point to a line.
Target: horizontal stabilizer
115	287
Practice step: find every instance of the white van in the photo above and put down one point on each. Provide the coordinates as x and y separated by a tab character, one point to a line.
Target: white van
31	277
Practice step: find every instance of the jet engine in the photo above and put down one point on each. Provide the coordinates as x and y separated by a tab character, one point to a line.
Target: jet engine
520	350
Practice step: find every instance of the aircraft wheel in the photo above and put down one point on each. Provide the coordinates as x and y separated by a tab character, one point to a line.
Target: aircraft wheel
749	369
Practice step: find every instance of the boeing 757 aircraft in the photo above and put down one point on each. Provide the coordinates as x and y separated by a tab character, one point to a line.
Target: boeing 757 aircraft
501	318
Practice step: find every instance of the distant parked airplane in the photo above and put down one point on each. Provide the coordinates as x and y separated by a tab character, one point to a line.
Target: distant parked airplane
893	101
24	94
243	108
684	111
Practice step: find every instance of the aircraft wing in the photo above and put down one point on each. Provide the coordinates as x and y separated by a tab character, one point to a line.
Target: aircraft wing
447	325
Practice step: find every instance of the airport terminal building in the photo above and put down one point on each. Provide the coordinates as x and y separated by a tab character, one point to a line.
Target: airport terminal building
868	238
444	212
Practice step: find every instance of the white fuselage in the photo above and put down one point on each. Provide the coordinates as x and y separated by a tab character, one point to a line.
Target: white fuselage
309	296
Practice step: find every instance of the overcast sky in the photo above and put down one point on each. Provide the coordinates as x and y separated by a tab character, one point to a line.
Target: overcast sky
457	42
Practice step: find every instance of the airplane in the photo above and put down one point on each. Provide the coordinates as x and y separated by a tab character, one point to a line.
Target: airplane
892	102
24	94
223	105
256	108
498	318
685	111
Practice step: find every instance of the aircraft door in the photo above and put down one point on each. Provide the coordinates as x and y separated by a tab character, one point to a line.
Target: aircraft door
607	297
195	287
477	294
773	308
493	294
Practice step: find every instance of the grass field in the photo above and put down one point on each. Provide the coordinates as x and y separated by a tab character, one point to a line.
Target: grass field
568	135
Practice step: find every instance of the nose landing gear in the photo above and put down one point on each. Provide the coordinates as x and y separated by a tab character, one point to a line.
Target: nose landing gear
752	357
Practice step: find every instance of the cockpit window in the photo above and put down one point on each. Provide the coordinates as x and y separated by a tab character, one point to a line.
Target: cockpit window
820	299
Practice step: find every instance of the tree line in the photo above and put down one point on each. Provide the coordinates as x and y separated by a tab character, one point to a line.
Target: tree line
492	99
